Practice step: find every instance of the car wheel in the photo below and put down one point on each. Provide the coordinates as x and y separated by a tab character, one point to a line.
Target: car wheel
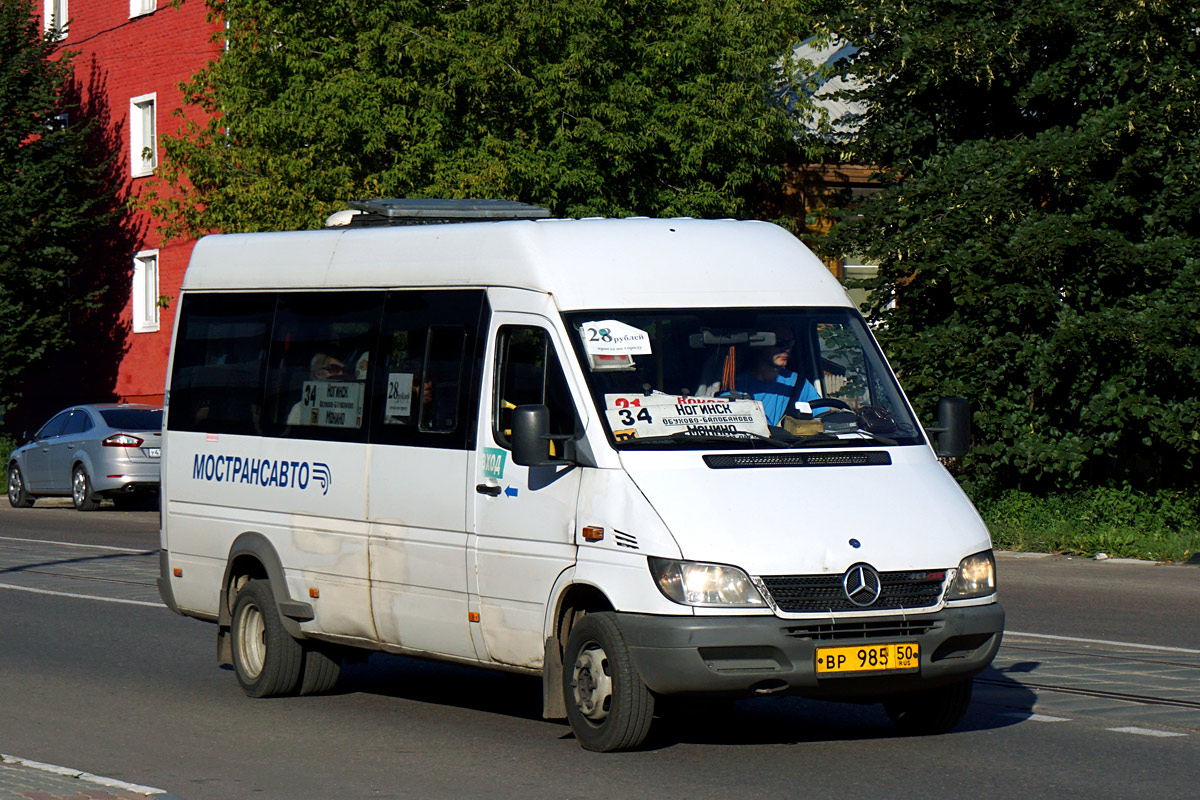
266	659
81	490
931	711
322	667
608	705
17	496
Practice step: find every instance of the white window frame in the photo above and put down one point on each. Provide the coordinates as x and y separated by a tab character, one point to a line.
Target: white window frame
49	16
141	139
138	8
145	291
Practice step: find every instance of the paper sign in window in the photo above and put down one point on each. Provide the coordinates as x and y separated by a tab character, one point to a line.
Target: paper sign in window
610	337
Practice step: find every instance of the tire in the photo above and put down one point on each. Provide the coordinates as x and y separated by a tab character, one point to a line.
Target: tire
321	669
931	711
81	490
266	659
608	705
17	496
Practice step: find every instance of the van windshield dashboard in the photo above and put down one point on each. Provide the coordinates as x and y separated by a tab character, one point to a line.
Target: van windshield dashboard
740	378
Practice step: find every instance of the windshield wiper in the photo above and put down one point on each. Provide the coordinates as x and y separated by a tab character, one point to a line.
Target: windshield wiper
829	440
743	436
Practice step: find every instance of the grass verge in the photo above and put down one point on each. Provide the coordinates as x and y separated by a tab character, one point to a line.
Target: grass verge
1159	526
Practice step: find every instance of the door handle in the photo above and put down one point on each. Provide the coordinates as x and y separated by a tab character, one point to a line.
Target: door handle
483	488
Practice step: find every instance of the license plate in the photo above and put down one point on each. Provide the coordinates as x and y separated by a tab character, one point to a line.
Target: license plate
154	452
868	658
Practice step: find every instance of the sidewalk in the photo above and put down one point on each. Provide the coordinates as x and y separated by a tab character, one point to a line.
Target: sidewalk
21	779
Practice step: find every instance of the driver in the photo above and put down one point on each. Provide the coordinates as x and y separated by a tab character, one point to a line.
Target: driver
768	379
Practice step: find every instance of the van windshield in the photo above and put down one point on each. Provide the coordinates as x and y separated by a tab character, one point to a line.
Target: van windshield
722	378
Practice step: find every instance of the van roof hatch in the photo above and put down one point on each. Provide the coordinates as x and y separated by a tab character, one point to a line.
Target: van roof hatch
431	211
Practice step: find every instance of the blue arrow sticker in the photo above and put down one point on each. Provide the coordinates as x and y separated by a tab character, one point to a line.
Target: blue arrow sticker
510	492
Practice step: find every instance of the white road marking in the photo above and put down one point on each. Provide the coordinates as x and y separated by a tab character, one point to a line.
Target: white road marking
73	544
1035	717
85	776
81	596
1103	641
1145	731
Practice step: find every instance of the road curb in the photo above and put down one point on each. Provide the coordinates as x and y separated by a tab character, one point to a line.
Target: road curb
48	770
1021	554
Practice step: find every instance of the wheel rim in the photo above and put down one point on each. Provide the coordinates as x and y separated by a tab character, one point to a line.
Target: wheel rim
592	683
14	486
79	487
252	640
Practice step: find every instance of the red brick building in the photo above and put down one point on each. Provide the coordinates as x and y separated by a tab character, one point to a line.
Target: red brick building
131	56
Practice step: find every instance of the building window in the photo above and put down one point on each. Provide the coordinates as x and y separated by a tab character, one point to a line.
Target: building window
139	7
143	142
145	291
54	15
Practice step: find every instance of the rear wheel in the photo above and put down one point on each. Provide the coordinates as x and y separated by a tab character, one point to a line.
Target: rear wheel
17	496
81	490
607	704
931	711
266	659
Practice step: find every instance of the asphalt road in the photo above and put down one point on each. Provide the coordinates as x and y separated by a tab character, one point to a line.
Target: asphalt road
1096	693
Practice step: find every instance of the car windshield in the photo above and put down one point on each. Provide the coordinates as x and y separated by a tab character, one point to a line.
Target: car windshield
133	419
718	378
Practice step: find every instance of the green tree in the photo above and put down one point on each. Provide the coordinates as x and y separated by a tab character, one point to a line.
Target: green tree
596	107
1039	233
51	203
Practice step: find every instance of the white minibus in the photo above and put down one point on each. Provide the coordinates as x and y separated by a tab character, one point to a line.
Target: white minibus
646	460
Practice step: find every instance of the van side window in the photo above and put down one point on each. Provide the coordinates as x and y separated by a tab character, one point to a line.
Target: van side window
529	373
318	365
423	385
220	363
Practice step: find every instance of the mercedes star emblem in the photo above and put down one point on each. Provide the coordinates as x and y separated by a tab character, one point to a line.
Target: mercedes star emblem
861	584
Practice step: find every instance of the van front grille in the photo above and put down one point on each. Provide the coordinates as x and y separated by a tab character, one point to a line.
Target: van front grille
861	629
911	589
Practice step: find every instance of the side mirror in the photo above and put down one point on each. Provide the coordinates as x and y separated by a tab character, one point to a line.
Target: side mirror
531	436
954	428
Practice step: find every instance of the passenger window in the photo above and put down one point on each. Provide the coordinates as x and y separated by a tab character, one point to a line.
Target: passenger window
529	373
78	423
319	362
427	360
220	363
55	426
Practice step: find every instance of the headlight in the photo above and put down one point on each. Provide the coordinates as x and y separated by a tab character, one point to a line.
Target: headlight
695	584
976	577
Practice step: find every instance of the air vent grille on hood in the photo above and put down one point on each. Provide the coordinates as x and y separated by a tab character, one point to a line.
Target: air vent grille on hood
840	458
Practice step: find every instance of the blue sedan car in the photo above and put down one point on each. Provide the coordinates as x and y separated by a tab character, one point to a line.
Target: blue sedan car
90	452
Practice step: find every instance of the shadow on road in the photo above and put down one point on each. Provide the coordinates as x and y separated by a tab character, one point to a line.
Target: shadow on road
999	702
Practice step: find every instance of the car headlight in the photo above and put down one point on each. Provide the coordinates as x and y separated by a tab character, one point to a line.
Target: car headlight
692	583
976	577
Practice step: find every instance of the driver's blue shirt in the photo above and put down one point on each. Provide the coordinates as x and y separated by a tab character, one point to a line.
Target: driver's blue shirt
774	394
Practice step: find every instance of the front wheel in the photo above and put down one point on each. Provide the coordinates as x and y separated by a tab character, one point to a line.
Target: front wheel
266	659
607	704
17	496
81	490
931	711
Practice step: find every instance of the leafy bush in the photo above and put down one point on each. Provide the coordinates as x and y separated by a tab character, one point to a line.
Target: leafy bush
1162	525
1037	243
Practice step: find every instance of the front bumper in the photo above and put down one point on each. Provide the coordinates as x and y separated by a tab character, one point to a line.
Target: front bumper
766	655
